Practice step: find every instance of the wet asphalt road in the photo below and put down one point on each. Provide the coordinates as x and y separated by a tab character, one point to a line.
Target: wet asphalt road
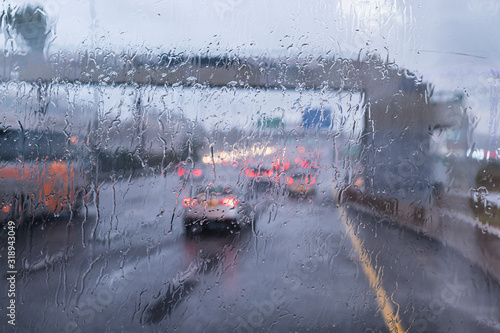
126	265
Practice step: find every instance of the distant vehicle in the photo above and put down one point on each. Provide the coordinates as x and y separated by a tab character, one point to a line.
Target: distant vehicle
216	207
301	184
280	165
41	172
185	173
260	178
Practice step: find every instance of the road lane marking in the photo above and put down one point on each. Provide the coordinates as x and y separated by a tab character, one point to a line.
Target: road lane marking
391	318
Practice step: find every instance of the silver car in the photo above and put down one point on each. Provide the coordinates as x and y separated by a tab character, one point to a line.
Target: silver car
216	207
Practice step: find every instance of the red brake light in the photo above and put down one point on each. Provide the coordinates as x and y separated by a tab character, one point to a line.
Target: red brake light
181	172
313	181
189	202
289	181
305	164
229	202
197	172
6	208
251	174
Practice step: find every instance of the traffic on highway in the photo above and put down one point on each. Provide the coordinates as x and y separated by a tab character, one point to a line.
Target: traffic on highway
233	167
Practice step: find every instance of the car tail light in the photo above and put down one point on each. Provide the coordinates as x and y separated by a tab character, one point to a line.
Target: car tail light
197	172
305	164
6	209
229	202
281	164
251	174
289	181
181	172
313	181
267	173
189	202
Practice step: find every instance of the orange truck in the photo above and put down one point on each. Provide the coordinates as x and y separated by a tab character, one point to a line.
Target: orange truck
41	172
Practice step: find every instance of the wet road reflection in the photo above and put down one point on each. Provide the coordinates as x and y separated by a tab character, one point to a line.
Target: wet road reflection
297	270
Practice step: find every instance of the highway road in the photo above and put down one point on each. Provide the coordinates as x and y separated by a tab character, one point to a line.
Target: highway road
125	264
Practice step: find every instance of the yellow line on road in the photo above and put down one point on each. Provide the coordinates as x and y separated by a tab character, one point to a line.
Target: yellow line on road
391	318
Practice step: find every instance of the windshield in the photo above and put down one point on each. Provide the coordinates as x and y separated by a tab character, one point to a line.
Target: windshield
250	166
33	145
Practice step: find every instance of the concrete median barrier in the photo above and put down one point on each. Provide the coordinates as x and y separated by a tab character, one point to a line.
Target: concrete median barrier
450	219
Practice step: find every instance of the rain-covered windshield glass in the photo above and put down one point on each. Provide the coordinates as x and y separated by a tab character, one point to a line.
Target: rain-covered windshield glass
32	145
352	145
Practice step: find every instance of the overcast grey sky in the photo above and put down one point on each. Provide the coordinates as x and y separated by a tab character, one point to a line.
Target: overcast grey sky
453	43
427	35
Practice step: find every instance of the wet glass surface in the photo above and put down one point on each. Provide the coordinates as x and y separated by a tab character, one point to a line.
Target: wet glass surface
249	167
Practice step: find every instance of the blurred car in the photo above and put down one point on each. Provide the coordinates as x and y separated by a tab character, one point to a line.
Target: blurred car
41	172
280	165
260	178
187	173
216	207
301	184
307	163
